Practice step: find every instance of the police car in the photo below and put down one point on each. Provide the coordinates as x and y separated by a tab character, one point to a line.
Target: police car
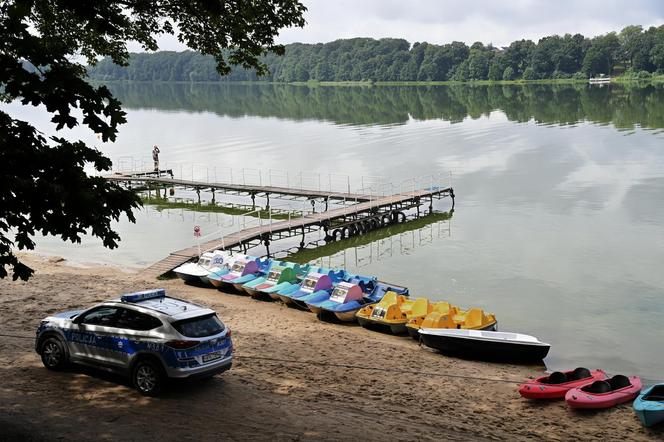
146	335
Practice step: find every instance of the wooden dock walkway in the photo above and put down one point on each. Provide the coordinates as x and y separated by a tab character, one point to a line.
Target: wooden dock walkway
151	178
368	207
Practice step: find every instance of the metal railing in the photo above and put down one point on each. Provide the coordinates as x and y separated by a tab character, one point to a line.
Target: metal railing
371	186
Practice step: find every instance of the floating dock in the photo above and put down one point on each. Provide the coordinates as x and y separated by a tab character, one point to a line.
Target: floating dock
367	213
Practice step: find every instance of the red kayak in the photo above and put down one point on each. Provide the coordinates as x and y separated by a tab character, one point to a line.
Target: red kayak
555	385
605	394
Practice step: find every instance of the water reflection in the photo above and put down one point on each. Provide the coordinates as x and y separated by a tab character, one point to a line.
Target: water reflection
626	107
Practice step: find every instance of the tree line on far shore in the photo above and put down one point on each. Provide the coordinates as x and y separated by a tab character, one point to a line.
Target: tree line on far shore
631	52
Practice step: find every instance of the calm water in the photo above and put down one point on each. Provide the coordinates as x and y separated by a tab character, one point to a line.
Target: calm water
559	221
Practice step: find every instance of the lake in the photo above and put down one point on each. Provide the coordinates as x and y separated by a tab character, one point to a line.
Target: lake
558	226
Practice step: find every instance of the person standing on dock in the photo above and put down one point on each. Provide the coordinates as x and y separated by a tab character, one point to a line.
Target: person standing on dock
155	158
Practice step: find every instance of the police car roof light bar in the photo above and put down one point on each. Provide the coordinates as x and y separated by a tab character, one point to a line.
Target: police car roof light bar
144	295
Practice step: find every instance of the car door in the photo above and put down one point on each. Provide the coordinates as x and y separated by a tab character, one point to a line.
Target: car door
91	338
136	329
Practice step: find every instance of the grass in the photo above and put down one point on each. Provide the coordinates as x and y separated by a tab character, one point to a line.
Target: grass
164	204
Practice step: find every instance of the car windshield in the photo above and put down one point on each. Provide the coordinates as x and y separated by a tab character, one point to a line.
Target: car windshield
200	326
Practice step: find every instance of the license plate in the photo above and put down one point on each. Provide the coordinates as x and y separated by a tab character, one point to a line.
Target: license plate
212	356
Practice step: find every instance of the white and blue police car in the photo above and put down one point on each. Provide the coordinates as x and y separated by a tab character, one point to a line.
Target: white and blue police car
146	335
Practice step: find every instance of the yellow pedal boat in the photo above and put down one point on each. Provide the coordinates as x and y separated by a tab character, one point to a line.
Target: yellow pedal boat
472	319
393	312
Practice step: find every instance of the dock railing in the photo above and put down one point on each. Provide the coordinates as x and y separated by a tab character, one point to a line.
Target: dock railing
368	185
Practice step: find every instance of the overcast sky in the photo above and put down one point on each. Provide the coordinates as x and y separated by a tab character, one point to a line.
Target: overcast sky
443	21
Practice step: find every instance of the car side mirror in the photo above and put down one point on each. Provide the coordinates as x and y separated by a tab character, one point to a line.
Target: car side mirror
78	320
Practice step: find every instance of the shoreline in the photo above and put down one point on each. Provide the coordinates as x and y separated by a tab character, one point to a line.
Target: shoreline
294	377
316	83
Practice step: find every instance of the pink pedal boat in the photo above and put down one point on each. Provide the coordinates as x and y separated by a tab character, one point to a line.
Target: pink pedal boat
605	394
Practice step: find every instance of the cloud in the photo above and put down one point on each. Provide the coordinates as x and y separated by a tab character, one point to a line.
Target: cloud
443	21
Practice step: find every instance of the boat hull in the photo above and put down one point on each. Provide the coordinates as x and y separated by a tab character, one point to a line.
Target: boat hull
577	398
189	279
394	328
348	316
415	332
491	350
649	409
205	281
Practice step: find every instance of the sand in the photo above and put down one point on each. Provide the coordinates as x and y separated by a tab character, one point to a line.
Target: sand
395	390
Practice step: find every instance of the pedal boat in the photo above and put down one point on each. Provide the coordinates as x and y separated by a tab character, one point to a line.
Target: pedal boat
270	288
312	283
604	394
445	315
249	282
649	405
197	272
392	313
262	269
241	267
315	301
287	288
346	309
558	383
482	344
214	277
278	274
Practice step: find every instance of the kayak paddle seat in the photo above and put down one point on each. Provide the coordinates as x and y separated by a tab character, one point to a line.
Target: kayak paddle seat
597	387
579	373
558	383
557	377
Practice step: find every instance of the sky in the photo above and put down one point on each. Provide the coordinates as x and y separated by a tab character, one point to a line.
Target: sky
443	21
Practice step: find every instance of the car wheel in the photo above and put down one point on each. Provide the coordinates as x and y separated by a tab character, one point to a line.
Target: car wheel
148	377
53	354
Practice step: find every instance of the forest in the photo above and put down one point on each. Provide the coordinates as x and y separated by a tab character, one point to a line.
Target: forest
632	52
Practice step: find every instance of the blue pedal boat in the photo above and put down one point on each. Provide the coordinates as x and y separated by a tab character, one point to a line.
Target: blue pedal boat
344	307
262	268
216	273
315	301
649	405
301	298
241	267
248	283
279	278
313	282
288	288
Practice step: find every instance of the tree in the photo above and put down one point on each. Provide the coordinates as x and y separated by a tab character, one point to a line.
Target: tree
508	73
630	40
518	56
44	186
657	56
601	55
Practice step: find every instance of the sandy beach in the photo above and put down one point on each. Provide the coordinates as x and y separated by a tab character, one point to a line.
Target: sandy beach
294	378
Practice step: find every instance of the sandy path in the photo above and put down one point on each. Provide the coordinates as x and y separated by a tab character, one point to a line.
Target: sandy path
270	399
